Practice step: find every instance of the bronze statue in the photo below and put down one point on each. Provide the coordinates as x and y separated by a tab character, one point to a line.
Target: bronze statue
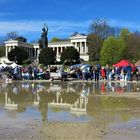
44	38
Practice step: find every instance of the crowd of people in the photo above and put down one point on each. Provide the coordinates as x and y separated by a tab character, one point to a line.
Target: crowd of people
79	72
107	73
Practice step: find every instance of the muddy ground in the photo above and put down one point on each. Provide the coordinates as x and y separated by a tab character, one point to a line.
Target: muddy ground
51	131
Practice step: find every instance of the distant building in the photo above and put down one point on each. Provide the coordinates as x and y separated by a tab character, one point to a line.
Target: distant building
78	41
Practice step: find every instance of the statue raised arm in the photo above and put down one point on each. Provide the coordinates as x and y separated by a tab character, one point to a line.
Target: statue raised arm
44	38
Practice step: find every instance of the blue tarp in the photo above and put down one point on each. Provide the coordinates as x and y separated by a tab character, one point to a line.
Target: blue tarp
79	65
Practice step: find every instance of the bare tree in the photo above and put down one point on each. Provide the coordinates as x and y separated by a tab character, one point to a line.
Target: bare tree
99	30
12	35
2	41
102	29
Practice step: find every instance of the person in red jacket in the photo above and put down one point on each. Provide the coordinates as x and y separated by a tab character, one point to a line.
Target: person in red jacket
103	73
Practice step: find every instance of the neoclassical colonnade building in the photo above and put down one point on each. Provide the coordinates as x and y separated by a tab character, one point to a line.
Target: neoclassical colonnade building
78	41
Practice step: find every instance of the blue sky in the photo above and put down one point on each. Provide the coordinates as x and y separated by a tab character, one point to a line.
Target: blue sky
64	17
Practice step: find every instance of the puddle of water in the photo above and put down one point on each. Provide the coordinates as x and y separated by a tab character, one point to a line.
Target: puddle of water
69	102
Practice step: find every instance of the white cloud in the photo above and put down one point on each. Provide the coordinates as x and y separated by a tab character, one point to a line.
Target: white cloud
32	28
55	27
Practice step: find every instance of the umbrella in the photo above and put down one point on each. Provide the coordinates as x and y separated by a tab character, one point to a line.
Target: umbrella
86	66
76	65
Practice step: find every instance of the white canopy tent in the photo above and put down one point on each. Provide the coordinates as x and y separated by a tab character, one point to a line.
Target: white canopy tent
3	65
13	65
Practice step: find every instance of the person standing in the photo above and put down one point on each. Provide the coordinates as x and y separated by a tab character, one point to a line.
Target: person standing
96	72
35	71
16	73
103	73
30	70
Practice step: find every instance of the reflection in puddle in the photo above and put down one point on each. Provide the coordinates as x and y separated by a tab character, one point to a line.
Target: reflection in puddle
71	102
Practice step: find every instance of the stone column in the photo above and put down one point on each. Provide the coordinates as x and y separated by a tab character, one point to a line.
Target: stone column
61	50
76	45
36	53
57	53
29	53
26	50
6	51
86	48
9	48
81	47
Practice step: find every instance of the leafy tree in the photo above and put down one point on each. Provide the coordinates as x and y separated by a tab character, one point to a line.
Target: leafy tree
21	39
2	51
55	39
124	34
112	50
132	50
132	41
18	55
47	56
70	54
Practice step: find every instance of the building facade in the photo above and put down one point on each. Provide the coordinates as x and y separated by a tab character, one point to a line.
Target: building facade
77	41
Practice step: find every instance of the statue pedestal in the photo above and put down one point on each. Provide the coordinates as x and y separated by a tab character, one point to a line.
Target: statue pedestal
38	52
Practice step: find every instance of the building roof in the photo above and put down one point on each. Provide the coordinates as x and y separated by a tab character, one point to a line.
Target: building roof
78	36
19	43
59	42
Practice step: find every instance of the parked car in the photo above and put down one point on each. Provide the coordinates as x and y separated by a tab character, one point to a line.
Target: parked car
58	75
